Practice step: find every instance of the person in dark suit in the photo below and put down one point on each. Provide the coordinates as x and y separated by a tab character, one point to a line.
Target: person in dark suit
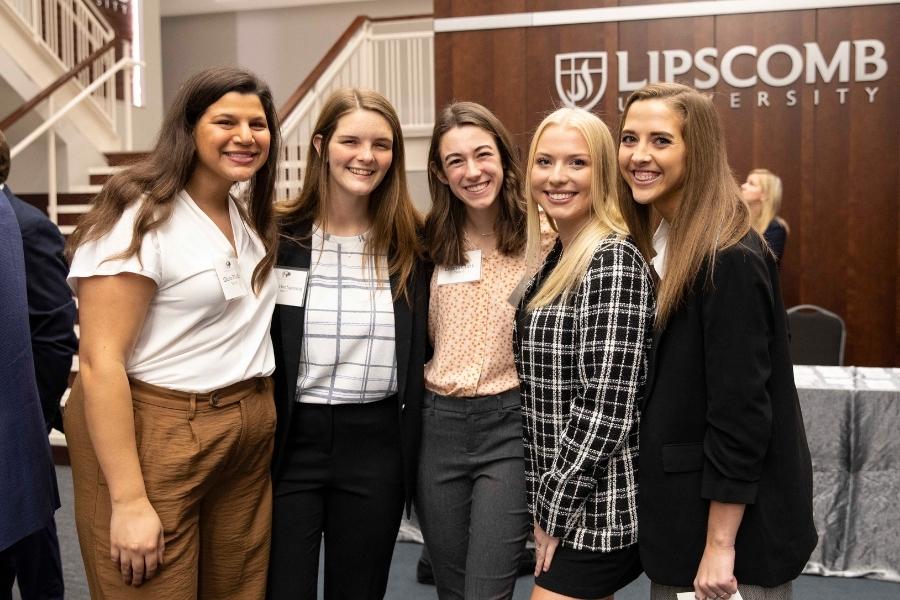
29	496
724	476
51	315
51	308
349	332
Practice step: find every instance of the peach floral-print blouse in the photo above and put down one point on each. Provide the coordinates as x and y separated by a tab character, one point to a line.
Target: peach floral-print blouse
471	327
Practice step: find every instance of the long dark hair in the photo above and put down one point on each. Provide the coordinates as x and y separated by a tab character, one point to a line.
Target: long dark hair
395	221
711	216
159	177
444	238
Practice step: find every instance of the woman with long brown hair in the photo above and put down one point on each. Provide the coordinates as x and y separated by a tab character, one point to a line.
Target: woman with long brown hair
725	478
471	485
170	421
349	335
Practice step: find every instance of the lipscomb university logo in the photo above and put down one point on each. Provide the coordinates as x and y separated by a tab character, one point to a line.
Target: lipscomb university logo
581	78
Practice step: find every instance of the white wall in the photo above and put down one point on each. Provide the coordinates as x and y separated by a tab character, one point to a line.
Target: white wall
192	43
148	118
281	45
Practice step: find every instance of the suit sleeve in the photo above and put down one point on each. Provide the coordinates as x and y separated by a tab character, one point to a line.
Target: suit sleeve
613	313
51	311
737	330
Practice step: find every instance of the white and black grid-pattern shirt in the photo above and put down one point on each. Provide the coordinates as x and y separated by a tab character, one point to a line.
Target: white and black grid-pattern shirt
582	362
349	351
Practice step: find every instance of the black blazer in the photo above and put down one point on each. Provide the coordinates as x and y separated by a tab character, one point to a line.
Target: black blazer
721	421
411	329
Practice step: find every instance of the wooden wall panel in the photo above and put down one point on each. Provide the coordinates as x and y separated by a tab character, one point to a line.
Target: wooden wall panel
774	137
542	47
838	162
473	8
487	71
866	139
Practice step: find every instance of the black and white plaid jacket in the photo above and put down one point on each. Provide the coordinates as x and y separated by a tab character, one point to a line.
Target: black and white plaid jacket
582	362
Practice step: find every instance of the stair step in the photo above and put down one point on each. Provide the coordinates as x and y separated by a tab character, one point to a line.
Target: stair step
91	190
100	175
72	209
120	159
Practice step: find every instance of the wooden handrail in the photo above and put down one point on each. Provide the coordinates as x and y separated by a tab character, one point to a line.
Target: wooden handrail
403	18
317	71
60	81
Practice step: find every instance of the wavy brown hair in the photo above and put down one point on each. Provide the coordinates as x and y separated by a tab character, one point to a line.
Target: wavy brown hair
711	216
157	179
395	221
444	237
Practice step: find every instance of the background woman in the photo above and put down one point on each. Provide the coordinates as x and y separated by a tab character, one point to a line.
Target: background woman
583	332
725	476
471	485
762	195
350	349
170	421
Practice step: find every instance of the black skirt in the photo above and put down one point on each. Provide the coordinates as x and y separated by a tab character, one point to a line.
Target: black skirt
587	574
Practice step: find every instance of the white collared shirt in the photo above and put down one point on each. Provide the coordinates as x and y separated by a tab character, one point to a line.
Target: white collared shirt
660	240
192	339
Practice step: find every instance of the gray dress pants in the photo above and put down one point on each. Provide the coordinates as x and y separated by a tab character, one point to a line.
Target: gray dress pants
470	494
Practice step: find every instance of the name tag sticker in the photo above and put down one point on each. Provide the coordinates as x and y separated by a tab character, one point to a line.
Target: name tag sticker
471	271
229	273
291	286
690	596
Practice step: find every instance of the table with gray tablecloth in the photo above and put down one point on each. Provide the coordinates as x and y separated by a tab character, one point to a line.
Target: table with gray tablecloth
852	418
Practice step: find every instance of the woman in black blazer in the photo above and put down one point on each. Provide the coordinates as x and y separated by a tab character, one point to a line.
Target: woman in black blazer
349	335
724	477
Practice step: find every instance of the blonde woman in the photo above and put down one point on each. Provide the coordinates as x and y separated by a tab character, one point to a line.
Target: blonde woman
581	343
762	195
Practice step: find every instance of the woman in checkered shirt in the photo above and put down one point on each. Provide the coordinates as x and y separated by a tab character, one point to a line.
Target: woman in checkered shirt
582	337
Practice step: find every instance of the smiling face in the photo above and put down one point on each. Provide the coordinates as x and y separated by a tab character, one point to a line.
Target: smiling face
560	178
652	155
360	153
231	139
471	166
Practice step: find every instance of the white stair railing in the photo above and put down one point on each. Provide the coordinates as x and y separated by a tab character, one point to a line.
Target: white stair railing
69	31
125	65
398	65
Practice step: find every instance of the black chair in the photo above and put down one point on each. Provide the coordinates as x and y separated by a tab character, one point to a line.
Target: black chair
817	336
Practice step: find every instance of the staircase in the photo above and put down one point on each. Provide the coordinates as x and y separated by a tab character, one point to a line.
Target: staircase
392	56
41	40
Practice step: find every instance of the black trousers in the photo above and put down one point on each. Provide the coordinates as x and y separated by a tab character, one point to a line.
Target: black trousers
35	564
343	479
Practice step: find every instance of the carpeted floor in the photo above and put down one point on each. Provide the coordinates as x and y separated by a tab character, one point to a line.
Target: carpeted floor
403	586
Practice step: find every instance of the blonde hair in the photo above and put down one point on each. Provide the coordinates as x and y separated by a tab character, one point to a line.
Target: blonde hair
770	186
711	216
605	218
395	221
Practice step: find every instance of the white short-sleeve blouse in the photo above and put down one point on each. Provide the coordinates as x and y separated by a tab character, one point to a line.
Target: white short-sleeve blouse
193	339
